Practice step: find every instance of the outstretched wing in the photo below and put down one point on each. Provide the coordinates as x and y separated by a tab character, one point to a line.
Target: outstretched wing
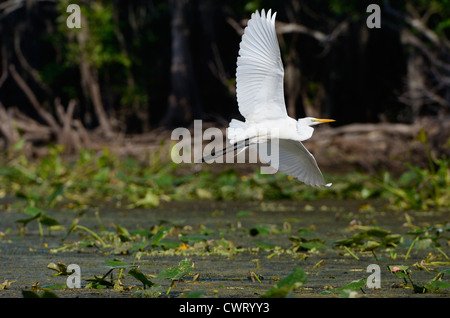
259	75
295	160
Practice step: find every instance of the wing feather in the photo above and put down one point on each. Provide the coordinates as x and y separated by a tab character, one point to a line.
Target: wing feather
259	74
294	160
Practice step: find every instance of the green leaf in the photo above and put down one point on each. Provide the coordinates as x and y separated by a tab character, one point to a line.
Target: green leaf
263	229
55	286
122	231
160	235
423	243
140	277
168	244
347	290
303	244
288	284
150	199
371	245
33	211
305	232
377	232
435	285
399	270
151	292
48	294
26	221
195	294
32	294
296	278
353	286
29	294
307	246
51	199
61	268
175	273
99	282
264	244
194	238
140	246
241	214
48	221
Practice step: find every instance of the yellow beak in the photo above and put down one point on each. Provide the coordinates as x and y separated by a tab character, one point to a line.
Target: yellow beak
323	120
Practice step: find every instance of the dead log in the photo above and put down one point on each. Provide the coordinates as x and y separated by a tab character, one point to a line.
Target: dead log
384	146
68	137
15	125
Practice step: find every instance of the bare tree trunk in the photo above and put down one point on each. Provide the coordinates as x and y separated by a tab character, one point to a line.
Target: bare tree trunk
89	80
415	83
137	107
183	103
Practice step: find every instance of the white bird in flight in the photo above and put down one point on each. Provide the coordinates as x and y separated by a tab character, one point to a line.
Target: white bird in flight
260	96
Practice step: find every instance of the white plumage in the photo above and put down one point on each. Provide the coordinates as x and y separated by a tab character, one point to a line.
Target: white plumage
260	72
260	97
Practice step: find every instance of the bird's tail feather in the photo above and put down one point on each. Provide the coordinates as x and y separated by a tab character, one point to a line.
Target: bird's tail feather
244	144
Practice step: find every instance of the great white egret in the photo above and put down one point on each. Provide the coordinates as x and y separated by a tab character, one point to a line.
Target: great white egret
260	96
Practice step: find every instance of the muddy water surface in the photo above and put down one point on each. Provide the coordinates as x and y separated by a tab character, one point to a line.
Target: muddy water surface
261	234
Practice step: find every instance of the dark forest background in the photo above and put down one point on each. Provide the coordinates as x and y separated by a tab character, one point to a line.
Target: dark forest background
135	66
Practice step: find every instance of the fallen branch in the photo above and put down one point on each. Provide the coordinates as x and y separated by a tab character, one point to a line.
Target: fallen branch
24	63
33	100
7	127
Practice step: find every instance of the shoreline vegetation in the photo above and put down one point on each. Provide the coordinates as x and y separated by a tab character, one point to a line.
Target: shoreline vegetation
106	175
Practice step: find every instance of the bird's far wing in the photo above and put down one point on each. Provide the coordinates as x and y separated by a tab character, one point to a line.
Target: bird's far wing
259	74
295	160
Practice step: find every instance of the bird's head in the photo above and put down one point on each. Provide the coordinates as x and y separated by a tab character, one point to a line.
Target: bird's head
311	121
